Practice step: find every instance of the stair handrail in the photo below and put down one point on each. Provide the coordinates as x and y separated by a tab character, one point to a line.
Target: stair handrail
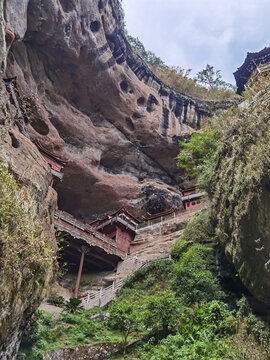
109	292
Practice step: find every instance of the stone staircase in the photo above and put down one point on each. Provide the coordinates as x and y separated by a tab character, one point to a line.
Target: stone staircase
104	295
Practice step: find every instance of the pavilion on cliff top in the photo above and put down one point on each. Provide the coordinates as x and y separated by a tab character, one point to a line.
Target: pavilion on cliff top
251	63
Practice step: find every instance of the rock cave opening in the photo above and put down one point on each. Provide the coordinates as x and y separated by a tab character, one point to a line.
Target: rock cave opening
40	126
100	5
14	141
95	26
141	101
124	86
136	116
67	5
130	124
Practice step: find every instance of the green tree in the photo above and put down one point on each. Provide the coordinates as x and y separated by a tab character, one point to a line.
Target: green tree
193	280
212	78
162	312
124	317
202	147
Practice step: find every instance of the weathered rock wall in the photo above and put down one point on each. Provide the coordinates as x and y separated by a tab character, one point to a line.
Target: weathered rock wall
241	190
94	352
98	106
2	39
21	287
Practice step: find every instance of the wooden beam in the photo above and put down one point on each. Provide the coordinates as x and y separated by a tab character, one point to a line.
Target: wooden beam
86	259
91	253
102	259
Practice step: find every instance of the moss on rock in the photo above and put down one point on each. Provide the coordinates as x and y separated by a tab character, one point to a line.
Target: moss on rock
27	253
241	189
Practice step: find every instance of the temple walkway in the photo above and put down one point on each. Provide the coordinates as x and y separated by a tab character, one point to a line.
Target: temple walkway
65	222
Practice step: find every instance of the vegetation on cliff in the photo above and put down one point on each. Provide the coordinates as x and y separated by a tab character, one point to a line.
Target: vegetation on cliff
24	242
240	183
231	159
207	85
26	256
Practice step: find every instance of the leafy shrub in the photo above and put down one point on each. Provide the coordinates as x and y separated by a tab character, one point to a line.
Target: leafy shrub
199	230
174	347
180	247
70	318
73	306
202	146
251	323
56	300
200	336
161	312
156	268
210	317
193	280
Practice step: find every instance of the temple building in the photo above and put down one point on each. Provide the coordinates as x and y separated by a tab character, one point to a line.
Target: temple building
252	62
120	227
56	165
191	198
151	218
99	245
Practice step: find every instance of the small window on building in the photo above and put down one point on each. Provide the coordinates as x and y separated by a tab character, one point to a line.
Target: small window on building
193	203
187	204
199	201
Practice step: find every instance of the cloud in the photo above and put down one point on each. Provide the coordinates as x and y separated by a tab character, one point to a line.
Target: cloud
196	32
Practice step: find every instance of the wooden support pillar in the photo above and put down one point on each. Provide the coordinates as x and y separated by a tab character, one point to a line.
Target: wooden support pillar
79	275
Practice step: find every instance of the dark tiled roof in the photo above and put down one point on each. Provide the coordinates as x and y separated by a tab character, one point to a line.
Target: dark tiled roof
122	209
48	153
252	60
164	213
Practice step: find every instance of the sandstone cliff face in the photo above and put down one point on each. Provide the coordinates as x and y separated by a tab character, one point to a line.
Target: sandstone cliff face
97	106
24	272
27	241
25	211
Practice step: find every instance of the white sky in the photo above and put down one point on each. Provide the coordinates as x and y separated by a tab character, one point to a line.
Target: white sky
193	33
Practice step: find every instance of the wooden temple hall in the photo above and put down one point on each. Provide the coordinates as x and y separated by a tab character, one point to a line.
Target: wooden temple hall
96	246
